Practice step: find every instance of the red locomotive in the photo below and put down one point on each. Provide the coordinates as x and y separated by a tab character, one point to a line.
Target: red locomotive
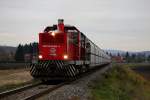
65	52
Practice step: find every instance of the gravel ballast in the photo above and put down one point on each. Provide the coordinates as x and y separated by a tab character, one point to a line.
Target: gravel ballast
78	90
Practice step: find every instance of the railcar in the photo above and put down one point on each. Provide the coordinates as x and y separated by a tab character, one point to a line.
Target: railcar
65	52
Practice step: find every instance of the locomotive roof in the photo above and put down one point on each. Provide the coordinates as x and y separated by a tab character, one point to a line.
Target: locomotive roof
66	28
54	27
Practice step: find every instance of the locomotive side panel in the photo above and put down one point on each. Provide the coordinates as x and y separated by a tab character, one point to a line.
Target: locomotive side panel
73	45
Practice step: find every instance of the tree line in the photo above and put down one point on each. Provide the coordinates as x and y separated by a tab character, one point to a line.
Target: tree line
139	57
133	57
32	49
22	50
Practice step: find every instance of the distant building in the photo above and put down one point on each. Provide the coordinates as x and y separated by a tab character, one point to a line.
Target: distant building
6	56
7	53
118	59
27	57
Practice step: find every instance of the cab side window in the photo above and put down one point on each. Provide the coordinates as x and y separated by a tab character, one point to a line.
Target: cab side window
73	37
82	40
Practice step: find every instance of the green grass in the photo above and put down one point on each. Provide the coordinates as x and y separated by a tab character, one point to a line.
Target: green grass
120	83
13	86
133	65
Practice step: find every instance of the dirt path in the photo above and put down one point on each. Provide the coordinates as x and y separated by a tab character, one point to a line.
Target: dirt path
14	76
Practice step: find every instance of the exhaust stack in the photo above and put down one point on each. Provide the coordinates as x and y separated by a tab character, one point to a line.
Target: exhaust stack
60	25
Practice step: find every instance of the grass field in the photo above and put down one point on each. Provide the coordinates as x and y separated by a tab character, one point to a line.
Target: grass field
121	83
12	78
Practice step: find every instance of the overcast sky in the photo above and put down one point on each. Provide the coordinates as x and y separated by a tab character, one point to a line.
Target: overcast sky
111	24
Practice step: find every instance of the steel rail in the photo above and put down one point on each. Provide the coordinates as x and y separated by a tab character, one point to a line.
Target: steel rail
50	89
33	97
16	90
40	94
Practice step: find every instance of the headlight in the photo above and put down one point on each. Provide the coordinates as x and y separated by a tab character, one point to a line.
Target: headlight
65	56
53	33
40	56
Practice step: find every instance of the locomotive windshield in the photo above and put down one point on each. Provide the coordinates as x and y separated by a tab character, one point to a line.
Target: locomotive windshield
49	39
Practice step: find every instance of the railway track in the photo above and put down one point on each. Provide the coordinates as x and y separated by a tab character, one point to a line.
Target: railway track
35	91
17	90
30	92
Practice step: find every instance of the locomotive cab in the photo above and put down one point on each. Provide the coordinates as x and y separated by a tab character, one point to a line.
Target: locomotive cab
59	42
52	46
53	43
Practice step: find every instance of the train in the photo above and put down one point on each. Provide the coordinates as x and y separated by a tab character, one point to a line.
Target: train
64	53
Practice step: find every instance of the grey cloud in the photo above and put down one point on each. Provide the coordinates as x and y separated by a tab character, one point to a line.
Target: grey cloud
120	24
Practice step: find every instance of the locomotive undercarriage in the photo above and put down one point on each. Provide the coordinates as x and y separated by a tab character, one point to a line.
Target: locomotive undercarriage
50	70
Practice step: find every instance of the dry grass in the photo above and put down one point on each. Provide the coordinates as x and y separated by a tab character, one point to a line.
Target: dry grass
13	77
